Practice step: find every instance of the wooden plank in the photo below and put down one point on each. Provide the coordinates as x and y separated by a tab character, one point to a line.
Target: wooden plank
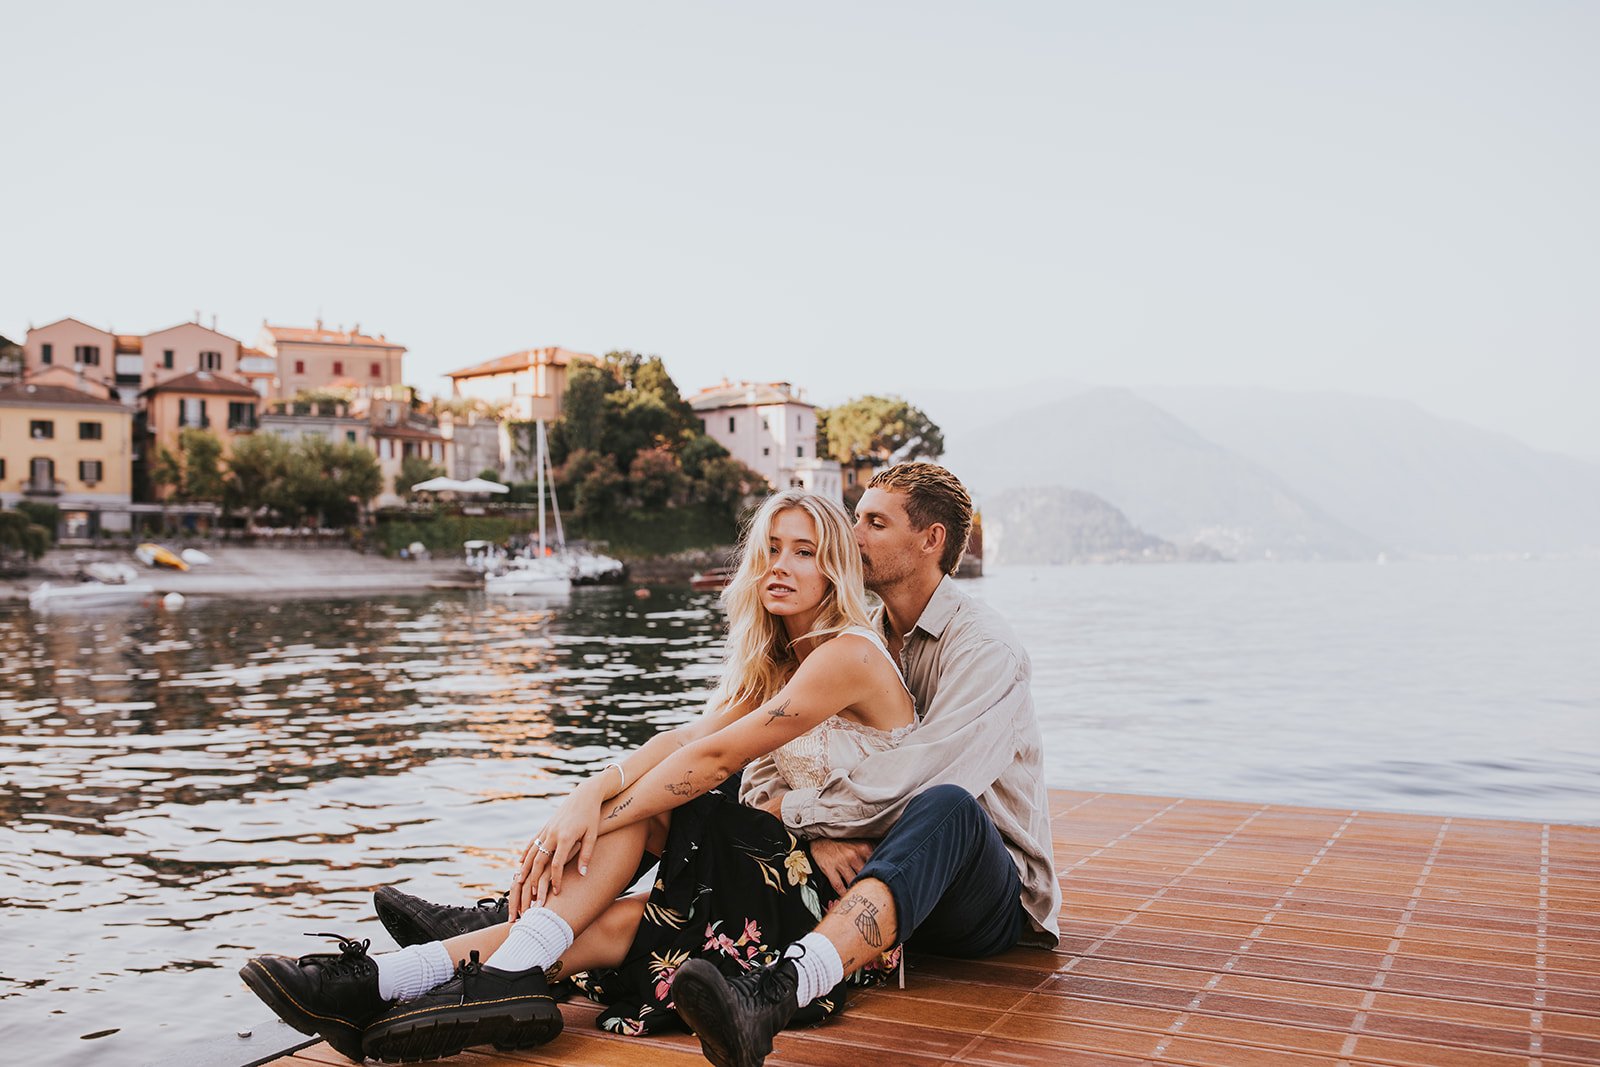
1206	932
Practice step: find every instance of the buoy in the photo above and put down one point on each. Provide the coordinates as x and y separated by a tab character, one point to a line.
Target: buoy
172	601
641	593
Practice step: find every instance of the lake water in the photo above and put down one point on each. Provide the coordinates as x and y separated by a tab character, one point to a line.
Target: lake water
179	791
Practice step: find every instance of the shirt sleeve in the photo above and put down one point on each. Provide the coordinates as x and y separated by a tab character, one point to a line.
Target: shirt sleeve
968	737
761	782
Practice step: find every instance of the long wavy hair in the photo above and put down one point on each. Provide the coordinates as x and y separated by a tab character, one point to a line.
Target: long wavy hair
760	655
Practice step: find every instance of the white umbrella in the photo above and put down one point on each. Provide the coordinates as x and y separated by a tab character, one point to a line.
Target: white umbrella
440	485
481	485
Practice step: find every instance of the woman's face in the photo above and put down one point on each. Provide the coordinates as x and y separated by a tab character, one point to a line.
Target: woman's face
794	583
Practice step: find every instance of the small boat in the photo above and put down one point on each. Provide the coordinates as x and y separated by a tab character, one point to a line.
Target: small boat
713	579
88	595
195	558
153	555
112	573
592	568
530	577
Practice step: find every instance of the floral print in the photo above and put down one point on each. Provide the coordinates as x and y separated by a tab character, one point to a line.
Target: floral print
735	887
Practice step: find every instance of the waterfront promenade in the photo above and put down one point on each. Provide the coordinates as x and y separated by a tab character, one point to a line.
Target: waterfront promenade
1214	933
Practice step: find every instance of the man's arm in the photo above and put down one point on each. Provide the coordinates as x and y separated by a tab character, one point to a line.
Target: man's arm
968	737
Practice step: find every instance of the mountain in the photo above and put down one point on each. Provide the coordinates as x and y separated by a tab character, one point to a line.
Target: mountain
1167	478
1410	479
1055	525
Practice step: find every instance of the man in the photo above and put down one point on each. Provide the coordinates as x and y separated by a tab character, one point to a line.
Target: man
964	865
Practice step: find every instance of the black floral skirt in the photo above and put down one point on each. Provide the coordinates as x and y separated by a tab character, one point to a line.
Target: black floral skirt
735	887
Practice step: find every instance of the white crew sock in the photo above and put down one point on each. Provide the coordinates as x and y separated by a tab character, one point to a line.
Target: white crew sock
412	971
819	965
536	940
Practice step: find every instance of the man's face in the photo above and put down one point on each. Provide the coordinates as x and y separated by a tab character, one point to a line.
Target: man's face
889	545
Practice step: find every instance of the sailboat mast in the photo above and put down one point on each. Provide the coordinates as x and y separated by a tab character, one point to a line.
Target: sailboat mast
539	439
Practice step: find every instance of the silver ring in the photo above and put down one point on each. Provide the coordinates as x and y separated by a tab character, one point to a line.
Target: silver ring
541	848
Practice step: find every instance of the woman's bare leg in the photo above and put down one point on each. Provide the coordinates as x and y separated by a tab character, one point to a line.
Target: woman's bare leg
584	898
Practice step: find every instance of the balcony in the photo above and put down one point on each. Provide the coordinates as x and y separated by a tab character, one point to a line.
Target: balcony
37	487
199	422
243	425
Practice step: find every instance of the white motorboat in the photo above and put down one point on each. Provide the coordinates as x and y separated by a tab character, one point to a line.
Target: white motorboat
112	573
194	557
88	595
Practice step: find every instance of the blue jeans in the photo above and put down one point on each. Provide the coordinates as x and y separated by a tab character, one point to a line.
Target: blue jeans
955	887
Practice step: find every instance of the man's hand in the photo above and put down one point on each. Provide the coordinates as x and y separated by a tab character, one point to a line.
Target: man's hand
841	861
774	807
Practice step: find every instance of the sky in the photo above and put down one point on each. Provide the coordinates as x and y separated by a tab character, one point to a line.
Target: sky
1393	199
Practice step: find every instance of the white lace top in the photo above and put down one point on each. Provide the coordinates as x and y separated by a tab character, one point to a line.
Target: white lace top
837	743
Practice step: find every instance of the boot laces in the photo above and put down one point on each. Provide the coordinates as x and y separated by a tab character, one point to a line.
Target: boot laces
468	968
352	958
768	985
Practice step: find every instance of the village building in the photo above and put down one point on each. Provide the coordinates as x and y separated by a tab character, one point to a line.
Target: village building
71	345
315	358
68	447
771	428
398	434
530	383
203	400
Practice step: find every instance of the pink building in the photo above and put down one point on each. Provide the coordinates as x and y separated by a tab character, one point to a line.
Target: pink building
316	358
74	345
771	428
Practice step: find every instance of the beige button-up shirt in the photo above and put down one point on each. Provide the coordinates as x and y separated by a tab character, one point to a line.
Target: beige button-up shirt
970	677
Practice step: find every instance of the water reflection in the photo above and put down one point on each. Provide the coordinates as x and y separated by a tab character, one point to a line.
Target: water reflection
186	788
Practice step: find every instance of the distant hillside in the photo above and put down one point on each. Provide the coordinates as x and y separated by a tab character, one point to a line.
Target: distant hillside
1413	481
1167	478
1055	525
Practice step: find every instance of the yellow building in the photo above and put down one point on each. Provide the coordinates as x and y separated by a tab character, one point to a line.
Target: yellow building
64	446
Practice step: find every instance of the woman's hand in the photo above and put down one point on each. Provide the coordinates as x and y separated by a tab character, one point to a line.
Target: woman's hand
571	831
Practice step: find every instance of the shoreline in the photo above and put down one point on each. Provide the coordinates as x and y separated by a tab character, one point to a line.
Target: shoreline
281	570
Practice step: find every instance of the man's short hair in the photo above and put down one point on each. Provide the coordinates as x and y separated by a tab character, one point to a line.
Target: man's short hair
933	495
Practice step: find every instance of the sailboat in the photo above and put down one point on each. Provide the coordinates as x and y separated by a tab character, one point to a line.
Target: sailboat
543	574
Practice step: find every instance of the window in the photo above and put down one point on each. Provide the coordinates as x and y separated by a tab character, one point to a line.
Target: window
241	416
299	366
730	423
766	451
797	422
192	412
42	474
89	431
211	361
88	355
166	358
338	368
2	469
47	353
377	369
89	471
799	451
42	429
702	425
765	427
350	435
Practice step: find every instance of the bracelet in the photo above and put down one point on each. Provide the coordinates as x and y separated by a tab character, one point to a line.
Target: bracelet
621	772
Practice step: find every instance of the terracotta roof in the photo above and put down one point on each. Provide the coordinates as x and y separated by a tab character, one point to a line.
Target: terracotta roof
203	381
300	335
26	393
744	394
129	342
246	350
516	361
402	430
68	318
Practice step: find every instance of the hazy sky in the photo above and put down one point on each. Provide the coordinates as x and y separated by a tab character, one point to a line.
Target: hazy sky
1396	199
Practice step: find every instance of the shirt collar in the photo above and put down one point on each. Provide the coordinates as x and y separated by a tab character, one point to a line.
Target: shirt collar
942	607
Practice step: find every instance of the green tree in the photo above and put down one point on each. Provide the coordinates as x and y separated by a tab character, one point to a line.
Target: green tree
328	483
166	470
414	469
656	479
876	428
21	535
256	470
202	465
583	408
590	484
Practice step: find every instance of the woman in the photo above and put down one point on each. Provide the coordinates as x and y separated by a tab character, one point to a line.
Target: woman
808	680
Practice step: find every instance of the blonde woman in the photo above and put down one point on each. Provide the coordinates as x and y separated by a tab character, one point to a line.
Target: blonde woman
808	679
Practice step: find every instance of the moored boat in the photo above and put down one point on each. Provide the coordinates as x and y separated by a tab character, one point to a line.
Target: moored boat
153	555
712	579
88	595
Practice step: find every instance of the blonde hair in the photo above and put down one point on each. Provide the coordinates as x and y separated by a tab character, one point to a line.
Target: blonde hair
760	655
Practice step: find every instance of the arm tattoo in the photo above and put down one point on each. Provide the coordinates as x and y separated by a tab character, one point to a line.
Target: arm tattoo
618	809
779	713
680	789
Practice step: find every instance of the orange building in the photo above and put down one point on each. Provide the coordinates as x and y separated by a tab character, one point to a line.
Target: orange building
200	399
533	381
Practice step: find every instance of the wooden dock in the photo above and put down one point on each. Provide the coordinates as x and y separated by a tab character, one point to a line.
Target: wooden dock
1210	933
